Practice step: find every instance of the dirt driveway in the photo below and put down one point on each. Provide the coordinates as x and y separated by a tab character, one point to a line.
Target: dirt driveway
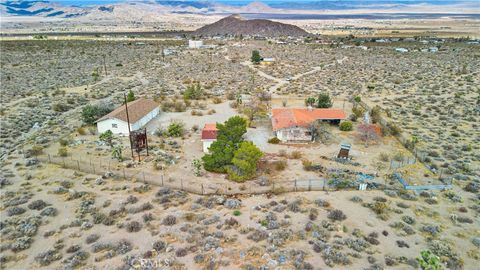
223	111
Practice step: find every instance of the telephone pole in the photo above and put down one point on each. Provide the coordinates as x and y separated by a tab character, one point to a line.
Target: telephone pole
128	123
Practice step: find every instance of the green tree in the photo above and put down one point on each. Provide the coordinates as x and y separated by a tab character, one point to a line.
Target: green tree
429	261
229	137
91	113
324	101
130	96
193	91
256	58
244	162
107	137
310	101
95	74
176	129
117	153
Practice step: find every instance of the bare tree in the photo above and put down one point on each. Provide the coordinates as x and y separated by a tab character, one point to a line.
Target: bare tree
368	133
321	131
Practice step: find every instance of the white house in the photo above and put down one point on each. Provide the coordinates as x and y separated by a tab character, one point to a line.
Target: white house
140	112
209	135
195	44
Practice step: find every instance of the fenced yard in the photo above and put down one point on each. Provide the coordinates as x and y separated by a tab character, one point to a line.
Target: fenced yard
205	185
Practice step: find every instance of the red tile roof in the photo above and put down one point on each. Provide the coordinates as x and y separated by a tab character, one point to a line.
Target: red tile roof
303	117
209	132
137	109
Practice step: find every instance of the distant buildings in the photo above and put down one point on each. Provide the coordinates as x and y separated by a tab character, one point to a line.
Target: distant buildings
167	52
140	112
267	61
195	44
198	44
209	135
294	125
402	50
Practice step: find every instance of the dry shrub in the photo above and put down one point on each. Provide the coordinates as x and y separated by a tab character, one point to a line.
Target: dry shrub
296	154
81	131
280	165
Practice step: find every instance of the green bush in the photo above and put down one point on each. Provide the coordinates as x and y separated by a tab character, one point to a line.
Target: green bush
274	140
324	101
91	113
130	96
107	137
237	213
346	126
176	129
193	92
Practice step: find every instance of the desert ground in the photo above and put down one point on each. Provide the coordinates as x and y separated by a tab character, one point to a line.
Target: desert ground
55	215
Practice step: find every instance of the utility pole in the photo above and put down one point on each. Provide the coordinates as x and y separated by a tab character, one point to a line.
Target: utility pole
128	123
105	65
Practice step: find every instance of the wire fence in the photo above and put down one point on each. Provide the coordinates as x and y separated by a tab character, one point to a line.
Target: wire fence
419	155
207	185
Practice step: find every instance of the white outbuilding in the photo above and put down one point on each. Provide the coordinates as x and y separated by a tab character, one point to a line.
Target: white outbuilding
195	44
140	112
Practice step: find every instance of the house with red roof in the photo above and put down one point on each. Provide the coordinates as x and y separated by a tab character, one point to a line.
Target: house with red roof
294	124
209	135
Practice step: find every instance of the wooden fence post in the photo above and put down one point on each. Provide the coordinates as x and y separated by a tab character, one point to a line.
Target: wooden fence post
63	162
295	185
125	178
78	165
93	165
162	180
143	173
49	160
309	184
273	187
202	190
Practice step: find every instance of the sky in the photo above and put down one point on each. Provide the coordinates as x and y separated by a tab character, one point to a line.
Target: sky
243	2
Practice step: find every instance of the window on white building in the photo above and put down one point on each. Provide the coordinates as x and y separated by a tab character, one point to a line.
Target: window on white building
114	125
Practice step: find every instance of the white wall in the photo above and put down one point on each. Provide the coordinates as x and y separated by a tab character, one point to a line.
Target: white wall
122	127
293	134
206	145
107	124
195	44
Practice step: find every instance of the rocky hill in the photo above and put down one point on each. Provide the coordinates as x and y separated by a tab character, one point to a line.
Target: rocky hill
236	25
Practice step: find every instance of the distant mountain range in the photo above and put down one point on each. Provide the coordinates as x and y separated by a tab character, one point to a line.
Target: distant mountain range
98	9
236	25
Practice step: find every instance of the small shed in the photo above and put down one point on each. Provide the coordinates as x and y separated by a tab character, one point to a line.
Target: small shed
344	151
209	135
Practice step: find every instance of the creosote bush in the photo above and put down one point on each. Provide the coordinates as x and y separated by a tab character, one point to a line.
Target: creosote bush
133	226
337	215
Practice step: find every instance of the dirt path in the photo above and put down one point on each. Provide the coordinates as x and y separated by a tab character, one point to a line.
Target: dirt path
281	82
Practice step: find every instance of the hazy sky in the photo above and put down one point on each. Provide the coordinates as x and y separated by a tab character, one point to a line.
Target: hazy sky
241	2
